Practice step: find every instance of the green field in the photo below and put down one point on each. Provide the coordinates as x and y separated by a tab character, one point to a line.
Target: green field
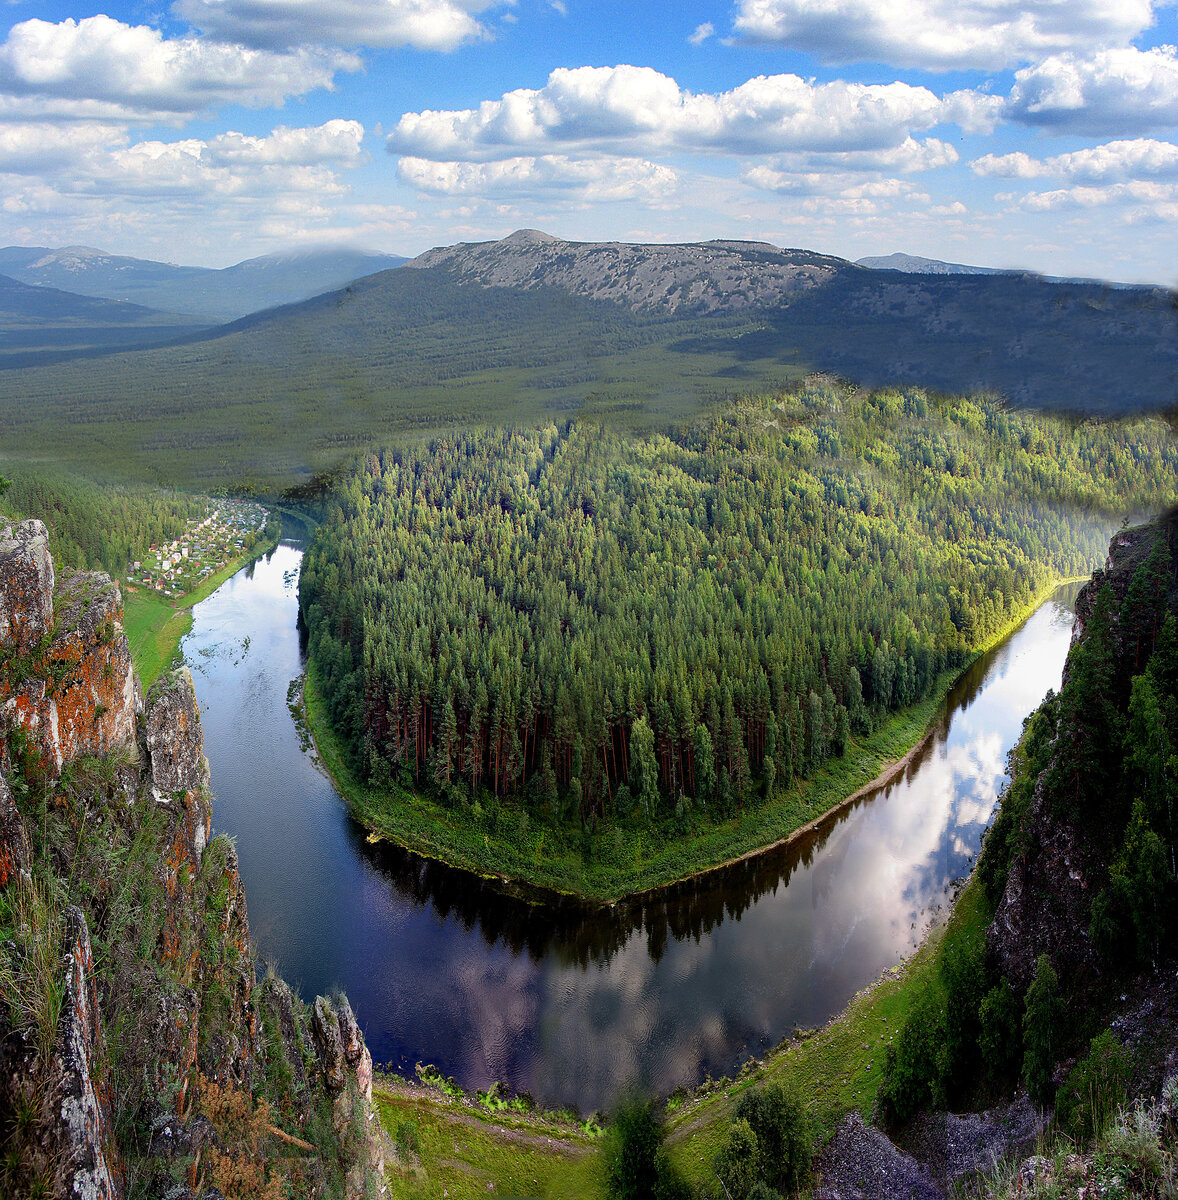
155	626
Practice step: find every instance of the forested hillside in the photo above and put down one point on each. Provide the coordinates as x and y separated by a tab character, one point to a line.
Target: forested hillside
1075	889
95	526
656	633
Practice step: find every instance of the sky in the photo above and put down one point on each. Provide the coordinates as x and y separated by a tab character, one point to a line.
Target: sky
1039	136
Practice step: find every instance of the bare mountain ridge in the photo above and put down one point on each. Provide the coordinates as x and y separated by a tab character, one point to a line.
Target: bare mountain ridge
700	277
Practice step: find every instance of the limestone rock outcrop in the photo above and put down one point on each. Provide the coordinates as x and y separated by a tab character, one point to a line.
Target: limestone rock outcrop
26	585
157	967
71	690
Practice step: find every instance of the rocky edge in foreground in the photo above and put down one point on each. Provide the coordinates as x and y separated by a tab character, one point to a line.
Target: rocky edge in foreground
138	1054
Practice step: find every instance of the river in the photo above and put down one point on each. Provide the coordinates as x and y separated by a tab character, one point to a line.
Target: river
441	968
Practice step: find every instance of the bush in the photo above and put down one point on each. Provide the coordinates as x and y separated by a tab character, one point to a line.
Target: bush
910	1067
738	1162
637	1167
999	1035
1042	1021
1094	1089
777	1117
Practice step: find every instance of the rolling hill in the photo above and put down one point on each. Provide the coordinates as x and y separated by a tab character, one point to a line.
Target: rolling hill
36	321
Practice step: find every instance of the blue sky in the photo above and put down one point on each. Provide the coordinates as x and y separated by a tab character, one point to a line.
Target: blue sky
1041	136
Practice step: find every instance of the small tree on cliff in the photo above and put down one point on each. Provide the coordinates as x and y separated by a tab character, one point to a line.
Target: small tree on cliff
1042	1020
5	484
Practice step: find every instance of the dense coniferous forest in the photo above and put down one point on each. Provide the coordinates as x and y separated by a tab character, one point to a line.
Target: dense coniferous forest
597	627
94	526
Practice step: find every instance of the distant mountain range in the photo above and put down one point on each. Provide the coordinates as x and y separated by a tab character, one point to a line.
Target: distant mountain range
213	295
37	320
699	277
915	265
535	329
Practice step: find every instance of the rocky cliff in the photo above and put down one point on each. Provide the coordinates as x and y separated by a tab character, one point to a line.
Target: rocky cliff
1063	840
138	1054
699	277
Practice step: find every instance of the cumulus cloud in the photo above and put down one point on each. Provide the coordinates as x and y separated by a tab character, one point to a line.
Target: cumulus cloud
272	24
230	165
1138	158
839	193
101	68
1113	91
590	180
701	33
638	110
1139	200
35	148
941	34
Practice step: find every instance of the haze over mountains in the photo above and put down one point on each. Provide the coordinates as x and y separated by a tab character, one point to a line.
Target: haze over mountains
214	295
532	328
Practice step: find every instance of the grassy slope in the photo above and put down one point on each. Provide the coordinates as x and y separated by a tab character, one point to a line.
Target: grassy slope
465	1148
640	862
156	625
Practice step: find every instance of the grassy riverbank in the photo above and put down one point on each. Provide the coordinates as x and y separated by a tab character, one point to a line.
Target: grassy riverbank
456	1146
155	625
618	861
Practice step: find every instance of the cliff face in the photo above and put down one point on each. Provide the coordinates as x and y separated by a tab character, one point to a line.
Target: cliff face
137	1052
701	277
1064	841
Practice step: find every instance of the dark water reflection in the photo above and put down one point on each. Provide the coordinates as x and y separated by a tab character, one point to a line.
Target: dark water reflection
440	967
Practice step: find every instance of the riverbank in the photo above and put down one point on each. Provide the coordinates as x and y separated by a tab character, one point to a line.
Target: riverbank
155	625
543	864
451	1144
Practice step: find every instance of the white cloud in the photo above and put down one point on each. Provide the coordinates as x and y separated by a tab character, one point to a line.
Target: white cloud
942	34
99	68
29	148
907	158
701	33
228	166
594	180
423	24
1137	158
1140	200
335	141
852	194
1114	91
637	110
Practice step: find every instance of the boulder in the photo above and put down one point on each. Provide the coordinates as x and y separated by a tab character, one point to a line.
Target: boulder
329	1043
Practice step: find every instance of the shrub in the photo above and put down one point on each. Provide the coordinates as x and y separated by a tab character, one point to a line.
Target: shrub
739	1160
777	1117
910	1065
1042	1021
999	1032
1094	1089
637	1167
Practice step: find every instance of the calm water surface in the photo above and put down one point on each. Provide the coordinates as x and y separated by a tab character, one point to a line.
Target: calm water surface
440	968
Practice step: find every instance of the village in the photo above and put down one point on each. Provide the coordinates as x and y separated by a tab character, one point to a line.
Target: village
230	528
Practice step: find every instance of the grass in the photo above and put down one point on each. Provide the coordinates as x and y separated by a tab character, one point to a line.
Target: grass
448	1148
155	625
623	861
